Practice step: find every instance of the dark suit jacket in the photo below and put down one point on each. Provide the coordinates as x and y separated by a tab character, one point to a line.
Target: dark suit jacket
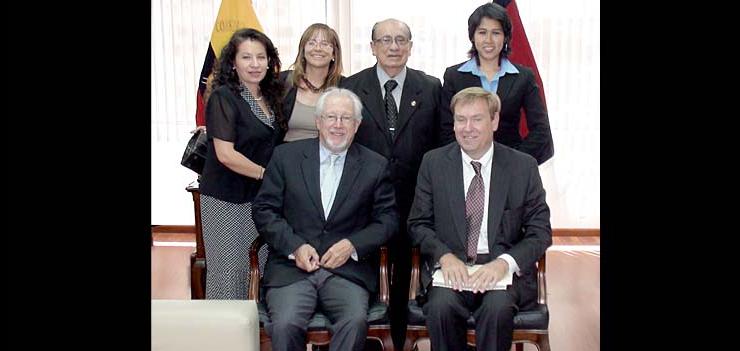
290	93
288	211
418	130
516	91
518	216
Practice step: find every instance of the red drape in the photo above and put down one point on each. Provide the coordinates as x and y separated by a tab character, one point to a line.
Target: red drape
521	53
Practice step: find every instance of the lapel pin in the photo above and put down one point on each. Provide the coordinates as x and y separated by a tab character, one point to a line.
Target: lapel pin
413	103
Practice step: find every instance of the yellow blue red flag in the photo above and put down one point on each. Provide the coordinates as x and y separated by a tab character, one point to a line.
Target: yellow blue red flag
232	15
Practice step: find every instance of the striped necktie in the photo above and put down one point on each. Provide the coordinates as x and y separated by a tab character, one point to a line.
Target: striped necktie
474	203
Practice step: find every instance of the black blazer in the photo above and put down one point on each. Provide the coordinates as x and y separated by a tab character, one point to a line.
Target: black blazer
288	211
516	91
419	126
290	93
229	117
518	216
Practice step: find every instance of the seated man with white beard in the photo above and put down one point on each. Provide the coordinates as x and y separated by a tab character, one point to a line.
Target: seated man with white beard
325	207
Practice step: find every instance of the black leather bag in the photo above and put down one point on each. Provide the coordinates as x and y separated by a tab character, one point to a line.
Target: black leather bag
194	156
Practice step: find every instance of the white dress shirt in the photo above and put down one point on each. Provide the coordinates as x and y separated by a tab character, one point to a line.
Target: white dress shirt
396	92
329	184
485	170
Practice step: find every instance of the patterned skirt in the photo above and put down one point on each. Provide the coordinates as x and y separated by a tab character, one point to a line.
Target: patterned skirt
228	231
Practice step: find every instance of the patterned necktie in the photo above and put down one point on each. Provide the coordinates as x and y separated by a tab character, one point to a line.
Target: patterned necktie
391	112
328	186
474	203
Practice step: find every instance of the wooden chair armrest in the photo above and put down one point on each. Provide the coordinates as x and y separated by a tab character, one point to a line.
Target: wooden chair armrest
415	261
194	190
541	281
384	287
253	292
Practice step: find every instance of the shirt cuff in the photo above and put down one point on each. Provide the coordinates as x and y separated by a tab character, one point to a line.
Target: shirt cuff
513	267
291	257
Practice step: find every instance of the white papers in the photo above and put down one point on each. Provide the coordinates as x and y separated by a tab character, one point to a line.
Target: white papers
438	279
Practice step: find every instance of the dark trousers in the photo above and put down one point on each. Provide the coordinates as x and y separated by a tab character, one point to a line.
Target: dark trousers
399	255
447	312
291	307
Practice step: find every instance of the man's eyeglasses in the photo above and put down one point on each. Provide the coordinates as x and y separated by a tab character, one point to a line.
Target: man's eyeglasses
322	44
388	40
333	119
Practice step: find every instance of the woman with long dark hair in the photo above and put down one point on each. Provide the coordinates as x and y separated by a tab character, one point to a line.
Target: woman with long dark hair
245	122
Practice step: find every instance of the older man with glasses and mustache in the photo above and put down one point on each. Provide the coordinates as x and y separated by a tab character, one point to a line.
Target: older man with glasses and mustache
325	207
403	121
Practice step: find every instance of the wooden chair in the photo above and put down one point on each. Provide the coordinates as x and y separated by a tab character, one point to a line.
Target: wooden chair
318	327
529	326
197	258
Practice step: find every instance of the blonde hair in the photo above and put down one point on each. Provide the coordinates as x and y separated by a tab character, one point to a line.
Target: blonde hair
471	94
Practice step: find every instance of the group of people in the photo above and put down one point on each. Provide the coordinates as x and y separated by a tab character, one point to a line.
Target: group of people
328	168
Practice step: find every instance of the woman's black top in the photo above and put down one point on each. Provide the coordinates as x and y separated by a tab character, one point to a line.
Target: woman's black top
230	118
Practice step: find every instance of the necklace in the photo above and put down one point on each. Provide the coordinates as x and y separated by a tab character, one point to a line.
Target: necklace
311	86
244	87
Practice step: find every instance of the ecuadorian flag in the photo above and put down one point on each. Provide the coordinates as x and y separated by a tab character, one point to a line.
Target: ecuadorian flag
232	15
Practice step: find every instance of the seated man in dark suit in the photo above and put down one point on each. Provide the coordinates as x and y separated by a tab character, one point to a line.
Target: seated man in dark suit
325	207
480	203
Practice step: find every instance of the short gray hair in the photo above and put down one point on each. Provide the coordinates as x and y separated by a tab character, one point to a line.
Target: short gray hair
333	91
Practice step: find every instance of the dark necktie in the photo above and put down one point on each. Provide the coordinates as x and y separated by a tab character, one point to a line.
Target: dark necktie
391	112
474	203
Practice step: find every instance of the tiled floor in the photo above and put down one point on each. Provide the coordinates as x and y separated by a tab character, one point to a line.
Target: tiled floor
573	274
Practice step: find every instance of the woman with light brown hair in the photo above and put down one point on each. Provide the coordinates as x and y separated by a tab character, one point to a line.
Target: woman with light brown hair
317	66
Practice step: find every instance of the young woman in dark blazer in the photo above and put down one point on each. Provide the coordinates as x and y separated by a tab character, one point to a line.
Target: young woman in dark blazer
489	31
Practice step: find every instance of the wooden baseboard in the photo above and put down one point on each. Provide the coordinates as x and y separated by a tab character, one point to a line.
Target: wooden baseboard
576	232
190	229
174	229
